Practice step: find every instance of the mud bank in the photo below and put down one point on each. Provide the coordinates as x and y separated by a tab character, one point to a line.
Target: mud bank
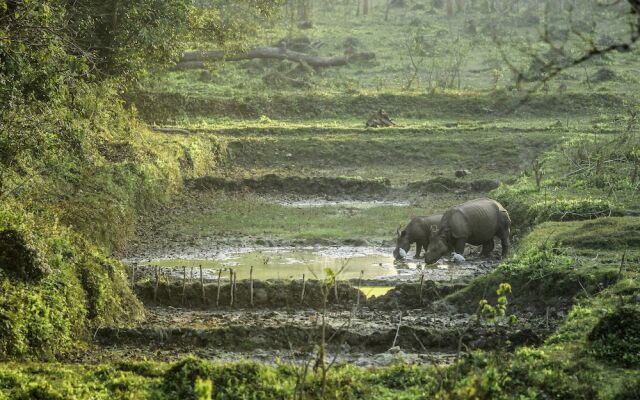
339	188
291	296
363	332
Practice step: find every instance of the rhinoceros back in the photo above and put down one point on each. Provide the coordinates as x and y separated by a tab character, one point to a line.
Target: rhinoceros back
478	220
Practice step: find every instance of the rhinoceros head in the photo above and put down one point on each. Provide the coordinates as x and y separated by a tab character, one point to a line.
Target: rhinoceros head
437	245
402	242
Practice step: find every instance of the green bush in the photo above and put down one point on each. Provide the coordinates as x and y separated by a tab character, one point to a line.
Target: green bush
83	290
616	337
403	376
229	381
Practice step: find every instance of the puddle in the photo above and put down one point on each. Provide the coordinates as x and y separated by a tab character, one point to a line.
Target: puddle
375	291
288	263
376	266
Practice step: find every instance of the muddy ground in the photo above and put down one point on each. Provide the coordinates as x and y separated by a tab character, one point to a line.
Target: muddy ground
273	320
361	335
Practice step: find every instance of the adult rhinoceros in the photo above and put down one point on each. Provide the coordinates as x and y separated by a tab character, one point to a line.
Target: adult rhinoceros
475	222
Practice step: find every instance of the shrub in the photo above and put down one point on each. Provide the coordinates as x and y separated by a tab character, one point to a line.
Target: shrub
616	337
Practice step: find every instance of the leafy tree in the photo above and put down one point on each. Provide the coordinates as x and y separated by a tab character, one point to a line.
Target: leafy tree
60	59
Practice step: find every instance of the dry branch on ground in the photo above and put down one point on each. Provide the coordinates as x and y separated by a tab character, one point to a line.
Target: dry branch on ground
199	59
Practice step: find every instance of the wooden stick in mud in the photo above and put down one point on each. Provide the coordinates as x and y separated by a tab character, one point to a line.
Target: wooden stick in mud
235	287
155	287
335	290
231	287
167	278
421	285
359	281
218	292
303	286
204	297
191	276
395	339
133	276
251	286
184	283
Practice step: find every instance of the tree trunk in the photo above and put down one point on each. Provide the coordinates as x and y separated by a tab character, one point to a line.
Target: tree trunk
365	7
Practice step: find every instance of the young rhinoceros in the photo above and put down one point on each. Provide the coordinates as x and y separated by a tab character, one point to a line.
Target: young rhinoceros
475	222
417	231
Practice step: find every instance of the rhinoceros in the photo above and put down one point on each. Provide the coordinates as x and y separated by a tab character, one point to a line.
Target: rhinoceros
475	222
417	231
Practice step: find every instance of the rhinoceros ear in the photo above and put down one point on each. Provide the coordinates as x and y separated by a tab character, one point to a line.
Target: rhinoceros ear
398	230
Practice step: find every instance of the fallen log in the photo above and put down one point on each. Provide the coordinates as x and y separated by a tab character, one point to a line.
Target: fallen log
199	59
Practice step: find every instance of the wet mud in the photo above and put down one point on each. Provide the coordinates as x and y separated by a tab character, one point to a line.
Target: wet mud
362	335
265	299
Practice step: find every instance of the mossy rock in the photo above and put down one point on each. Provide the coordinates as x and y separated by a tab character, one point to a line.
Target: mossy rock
616	337
19	259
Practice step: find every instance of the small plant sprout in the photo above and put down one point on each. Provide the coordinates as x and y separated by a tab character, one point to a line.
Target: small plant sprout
496	312
203	389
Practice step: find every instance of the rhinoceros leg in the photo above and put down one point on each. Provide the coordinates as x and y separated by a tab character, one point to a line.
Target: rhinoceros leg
418	249
459	245
487	248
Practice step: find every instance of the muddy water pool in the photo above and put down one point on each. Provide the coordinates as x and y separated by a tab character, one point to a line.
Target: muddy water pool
290	263
347	263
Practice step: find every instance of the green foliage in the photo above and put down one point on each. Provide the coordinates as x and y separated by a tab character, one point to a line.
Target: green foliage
493	313
124	38
57	381
203	389
569	209
82	290
187	380
616	337
541	274
527	207
403	376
